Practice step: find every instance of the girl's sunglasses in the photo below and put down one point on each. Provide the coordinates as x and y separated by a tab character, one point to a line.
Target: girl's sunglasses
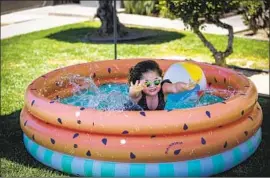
150	83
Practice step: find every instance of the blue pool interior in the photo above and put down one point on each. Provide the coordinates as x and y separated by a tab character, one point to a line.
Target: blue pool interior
114	97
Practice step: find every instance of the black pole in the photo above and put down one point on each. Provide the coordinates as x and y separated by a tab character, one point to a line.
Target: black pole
114	30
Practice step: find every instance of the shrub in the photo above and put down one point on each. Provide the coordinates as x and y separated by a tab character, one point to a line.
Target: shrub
256	14
140	7
162	8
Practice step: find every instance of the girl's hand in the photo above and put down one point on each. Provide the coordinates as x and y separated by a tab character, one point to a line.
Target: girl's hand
136	89
191	84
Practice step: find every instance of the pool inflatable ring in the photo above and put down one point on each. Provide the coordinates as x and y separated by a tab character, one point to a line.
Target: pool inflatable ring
200	167
140	138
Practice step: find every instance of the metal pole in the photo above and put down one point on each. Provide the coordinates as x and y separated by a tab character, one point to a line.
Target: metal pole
114	30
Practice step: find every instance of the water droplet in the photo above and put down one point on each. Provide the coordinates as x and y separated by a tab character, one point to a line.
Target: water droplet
77	114
123	141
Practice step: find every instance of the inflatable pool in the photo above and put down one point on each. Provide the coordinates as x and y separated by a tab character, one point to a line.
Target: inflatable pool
200	141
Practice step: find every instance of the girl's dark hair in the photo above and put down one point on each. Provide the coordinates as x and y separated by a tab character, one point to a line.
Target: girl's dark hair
136	72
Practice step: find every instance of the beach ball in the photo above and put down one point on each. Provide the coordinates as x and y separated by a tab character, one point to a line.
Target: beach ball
185	72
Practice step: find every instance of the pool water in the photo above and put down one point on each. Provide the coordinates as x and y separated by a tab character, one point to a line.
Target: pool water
115	96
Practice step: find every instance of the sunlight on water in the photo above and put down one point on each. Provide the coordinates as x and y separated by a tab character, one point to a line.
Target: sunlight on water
115	97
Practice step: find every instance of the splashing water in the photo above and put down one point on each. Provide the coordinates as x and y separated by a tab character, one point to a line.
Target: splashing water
115	96
105	97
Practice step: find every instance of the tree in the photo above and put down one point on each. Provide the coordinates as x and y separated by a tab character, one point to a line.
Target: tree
256	14
105	14
195	12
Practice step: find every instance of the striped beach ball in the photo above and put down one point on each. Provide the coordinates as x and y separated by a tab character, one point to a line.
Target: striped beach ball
185	72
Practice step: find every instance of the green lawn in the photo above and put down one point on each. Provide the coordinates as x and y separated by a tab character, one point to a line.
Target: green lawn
24	58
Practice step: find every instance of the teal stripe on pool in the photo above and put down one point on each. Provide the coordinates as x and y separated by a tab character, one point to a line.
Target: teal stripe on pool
48	157
218	163
200	167
66	163
194	168
166	170
88	165
107	170
137	170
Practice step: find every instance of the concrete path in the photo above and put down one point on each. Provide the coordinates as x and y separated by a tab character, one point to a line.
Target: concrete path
27	21
37	19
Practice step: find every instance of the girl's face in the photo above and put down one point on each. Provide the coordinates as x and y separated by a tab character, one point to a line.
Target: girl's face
153	83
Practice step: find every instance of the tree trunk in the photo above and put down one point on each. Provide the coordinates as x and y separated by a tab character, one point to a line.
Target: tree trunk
220	57
105	14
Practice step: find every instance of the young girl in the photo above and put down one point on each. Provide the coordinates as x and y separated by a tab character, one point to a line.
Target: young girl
147	88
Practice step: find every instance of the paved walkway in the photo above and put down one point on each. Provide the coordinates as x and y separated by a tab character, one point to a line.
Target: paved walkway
27	21
37	19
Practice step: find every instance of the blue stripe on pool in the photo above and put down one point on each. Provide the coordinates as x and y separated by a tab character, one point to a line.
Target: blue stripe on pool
88	167
57	161
218	163
254	139
29	145
244	149
121	169
108	169
34	149
206	166
137	170
180	169
152	170
166	169
194	168
77	166
229	160
97	168
66	163
40	153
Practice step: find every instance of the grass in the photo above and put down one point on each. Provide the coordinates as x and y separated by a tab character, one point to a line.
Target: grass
26	57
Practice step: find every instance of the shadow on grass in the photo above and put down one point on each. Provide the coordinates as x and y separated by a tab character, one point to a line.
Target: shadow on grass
138	36
12	147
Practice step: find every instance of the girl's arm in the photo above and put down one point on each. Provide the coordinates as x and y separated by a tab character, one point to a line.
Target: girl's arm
177	87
